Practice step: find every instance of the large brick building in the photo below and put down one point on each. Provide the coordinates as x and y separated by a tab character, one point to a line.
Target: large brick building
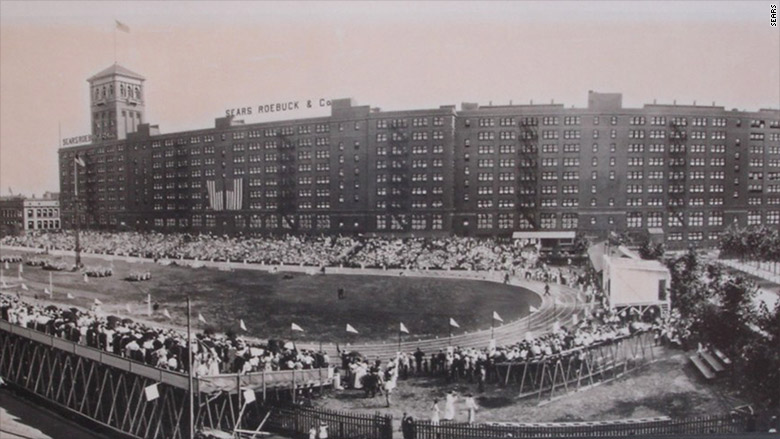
689	170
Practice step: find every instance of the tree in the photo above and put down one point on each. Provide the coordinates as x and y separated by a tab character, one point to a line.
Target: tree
687	290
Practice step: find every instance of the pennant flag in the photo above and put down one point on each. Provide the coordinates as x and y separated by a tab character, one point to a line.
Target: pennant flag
201	319
122	27
70	296
86	278
24	287
403	328
151	392
351	329
127	308
79	161
453	323
497	317
46	292
167	314
241	324
249	396
97	301
533	309
295	327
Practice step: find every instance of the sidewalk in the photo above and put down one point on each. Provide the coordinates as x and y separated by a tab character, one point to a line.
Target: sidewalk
751	269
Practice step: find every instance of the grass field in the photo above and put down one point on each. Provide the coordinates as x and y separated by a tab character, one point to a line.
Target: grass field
268	303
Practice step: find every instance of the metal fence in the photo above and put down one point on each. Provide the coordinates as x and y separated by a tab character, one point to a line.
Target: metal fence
661	427
295	421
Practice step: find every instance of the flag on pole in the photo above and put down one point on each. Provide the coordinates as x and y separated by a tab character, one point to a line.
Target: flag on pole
295	327
249	396
79	161
241	324
453	323
70	296
97	301
122	27
403	328
21	268
46	292
533	309
24	287
151	392
497	317
201	319
167	314
351	329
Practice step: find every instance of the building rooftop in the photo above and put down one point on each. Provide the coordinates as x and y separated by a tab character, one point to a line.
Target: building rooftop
116	69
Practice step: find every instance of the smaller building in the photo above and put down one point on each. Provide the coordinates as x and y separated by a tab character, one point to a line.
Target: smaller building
11	215
635	283
18	214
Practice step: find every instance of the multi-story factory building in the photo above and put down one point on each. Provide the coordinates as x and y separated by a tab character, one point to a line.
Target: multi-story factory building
687	170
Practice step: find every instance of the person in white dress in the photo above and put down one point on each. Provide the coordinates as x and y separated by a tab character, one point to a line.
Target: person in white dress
471	406
449	406
435	412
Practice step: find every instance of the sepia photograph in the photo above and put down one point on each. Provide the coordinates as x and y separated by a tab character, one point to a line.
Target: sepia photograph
389	219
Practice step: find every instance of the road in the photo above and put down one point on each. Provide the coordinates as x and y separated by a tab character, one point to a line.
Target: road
20	419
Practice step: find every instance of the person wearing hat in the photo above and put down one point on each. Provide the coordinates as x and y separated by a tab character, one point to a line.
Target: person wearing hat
323	430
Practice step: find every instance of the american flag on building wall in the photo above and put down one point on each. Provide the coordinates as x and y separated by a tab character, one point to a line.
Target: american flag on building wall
226	194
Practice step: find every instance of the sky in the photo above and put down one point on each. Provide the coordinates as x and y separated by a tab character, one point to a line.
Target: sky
201	58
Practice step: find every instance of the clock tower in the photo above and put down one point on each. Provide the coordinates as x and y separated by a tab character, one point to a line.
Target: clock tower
116	102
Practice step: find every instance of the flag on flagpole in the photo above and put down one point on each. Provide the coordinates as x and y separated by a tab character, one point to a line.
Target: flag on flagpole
403	328
97	301
497	317
46	292
201	319
533	309
351	329
167	314
80	161
24	287
453	323
70	296
122	27
249	396
241	324
295	327
151	392
21	268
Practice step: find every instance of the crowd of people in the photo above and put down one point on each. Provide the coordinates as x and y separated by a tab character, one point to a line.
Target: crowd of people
458	253
159	347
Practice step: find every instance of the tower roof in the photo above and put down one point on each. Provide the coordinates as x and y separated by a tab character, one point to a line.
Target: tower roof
116	69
